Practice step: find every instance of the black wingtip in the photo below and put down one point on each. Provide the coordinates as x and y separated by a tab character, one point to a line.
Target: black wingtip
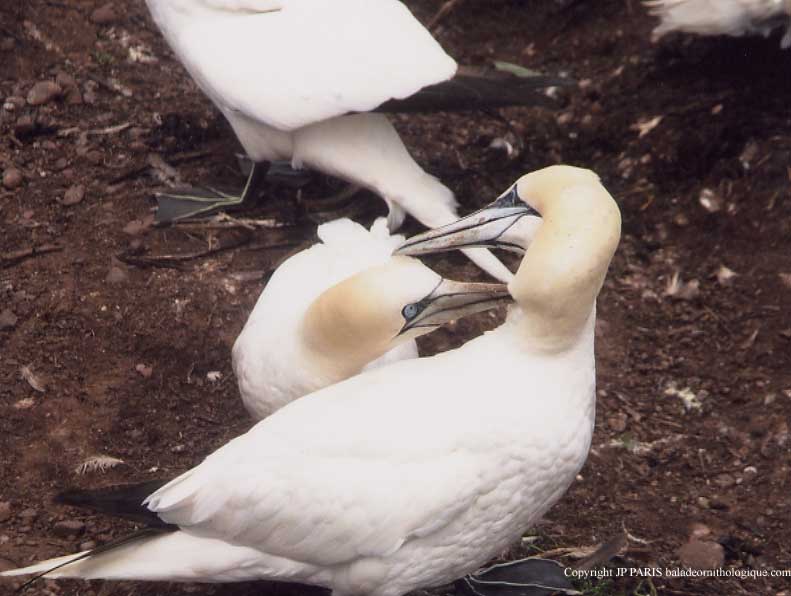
119	501
476	89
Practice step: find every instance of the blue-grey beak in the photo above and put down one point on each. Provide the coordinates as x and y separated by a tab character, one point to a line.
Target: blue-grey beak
490	227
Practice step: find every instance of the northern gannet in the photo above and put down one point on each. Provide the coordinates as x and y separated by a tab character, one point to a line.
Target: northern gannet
298	80
414	474
335	309
722	17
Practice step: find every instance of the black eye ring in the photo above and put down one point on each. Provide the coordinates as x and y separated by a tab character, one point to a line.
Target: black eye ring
410	311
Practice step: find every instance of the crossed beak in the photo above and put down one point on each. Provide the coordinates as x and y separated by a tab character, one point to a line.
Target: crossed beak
486	228
452	300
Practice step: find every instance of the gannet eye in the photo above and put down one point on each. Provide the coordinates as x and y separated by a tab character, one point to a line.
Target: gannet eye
410	311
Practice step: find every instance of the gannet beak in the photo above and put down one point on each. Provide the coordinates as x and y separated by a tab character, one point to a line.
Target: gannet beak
451	300
485	228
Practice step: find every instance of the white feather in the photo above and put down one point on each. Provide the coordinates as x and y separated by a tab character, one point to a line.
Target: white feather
271	365
309	61
721	17
290	77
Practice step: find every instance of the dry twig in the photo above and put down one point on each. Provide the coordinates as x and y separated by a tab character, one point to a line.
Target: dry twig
10	259
447	7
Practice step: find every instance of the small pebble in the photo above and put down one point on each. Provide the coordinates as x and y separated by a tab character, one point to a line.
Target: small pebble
116	275
75	194
702	554
104	15
43	92
750	473
5	511
29	514
617	422
7	319
24	126
71	91
68	528
12	178
725	480
95	157
137	227
88	545
12	103
144	370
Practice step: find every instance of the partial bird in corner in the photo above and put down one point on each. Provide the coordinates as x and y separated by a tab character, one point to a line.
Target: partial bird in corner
335	309
722	17
411	475
302	80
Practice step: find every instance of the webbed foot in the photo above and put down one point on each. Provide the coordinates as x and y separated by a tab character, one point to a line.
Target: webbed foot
524	577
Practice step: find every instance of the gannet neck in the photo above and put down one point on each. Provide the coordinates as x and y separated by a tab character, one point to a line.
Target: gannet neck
564	268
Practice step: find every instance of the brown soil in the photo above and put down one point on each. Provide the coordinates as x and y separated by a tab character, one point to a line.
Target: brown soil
82	320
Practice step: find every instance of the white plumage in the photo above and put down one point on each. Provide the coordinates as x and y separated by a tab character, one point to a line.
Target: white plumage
337	308
297	78
722	17
414	474
291	63
273	366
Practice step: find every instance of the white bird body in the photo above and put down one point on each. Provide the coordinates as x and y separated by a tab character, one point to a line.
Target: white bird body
307	102
414	474
348	488
722	17
272	363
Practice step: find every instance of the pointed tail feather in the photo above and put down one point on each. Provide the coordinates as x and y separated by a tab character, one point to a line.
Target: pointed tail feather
157	555
66	566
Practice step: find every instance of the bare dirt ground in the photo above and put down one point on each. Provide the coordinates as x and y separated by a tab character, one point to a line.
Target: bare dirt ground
693	136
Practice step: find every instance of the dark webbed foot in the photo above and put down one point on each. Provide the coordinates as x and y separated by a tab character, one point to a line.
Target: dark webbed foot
197	202
524	577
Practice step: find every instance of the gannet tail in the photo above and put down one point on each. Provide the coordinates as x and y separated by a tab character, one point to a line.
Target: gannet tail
161	555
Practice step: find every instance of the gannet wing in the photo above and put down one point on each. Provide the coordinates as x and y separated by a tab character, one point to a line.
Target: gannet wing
320	510
311	59
348	471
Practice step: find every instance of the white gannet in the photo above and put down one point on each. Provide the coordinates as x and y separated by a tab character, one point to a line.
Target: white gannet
414	474
334	309
722	17
298	81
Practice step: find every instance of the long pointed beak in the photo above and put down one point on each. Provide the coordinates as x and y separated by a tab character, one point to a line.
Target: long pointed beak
486	228
452	300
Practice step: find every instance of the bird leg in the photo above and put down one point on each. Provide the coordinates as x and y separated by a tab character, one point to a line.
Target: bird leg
201	201
524	577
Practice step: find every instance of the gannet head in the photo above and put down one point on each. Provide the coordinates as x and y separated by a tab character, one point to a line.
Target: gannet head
375	310
570	246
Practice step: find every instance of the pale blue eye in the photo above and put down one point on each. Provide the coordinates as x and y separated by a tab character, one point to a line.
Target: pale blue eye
410	311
